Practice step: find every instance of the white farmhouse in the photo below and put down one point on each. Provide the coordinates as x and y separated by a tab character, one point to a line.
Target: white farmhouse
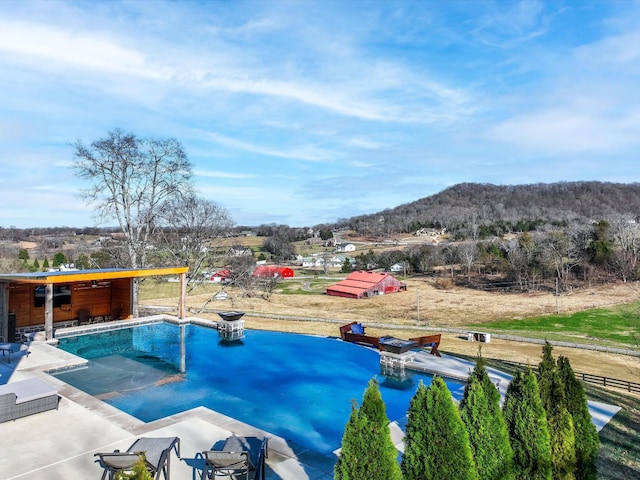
345	247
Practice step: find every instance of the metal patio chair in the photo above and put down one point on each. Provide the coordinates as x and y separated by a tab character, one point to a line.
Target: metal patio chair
157	452
239	458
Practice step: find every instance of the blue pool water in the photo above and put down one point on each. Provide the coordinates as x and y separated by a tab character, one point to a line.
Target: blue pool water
299	387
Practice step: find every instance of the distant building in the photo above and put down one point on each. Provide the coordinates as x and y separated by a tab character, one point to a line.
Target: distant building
221	276
366	284
310	261
273	271
345	247
239	251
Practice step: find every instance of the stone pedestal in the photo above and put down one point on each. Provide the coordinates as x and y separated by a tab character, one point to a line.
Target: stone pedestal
395	361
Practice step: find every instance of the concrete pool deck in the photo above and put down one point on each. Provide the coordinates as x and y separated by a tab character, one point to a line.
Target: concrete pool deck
60	444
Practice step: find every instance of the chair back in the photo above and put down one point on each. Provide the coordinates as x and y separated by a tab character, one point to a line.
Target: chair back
229	463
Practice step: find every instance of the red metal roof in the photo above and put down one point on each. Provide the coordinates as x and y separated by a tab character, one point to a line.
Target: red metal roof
272	271
357	284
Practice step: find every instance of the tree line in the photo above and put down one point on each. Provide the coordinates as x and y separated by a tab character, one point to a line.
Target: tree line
543	431
601	251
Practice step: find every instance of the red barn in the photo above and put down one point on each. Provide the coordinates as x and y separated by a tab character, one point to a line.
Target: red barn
272	271
221	276
366	284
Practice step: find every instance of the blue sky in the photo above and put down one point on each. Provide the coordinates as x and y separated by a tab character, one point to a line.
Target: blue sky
303	112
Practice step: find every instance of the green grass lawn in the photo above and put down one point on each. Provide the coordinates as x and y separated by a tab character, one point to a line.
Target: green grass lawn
619	326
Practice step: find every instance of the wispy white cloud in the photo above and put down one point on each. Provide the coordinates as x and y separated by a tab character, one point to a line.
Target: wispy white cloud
566	131
366	143
588	104
375	90
81	49
219	174
309	153
509	24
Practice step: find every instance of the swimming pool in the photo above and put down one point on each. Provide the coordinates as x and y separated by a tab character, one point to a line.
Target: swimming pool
298	387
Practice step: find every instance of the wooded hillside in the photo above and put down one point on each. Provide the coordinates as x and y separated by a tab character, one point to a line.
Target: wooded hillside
500	209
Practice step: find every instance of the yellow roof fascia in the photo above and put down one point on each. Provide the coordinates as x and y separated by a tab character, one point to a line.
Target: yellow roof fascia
87	276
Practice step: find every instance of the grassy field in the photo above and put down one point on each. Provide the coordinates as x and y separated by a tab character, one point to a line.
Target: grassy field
618	325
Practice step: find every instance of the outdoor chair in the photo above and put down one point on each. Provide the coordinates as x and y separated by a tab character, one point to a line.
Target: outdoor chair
26	397
238	458
115	314
84	316
13	348
157	452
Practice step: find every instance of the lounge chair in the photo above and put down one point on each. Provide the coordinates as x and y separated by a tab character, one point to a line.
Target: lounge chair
10	348
157	452
238	458
26	397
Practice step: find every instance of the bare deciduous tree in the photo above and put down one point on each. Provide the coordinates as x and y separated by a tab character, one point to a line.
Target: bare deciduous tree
129	179
560	254
450	255
191	231
520	254
626	235
468	253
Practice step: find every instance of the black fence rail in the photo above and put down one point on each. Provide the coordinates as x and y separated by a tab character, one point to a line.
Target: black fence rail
631	387
609	382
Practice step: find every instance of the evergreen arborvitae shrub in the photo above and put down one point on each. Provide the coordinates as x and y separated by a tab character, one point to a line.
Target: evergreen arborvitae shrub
416	436
436	440
587	440
368	452
373	406
59	259
561	429
346	266
23	254
488	435
528	430
546	365
351	464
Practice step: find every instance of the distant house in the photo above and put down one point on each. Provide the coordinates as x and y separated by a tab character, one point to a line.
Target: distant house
319	261
345	247
397	267
239	251
272	271
309	261
221	276
338	260
366	284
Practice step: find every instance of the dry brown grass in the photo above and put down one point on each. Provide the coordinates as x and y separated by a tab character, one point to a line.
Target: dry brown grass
455	307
